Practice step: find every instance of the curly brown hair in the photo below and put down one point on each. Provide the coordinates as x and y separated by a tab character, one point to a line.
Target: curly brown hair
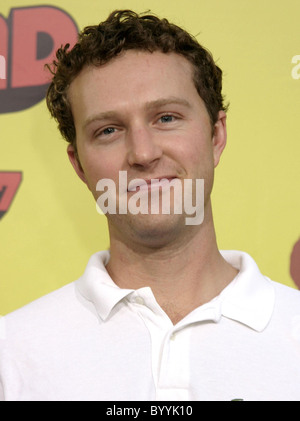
124	30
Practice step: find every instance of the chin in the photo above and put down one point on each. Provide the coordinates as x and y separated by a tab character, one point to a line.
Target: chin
156	230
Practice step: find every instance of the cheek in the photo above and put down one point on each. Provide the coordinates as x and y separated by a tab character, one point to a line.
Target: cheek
197	152
95	168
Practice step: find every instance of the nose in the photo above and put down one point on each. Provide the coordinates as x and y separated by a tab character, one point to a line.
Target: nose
143	147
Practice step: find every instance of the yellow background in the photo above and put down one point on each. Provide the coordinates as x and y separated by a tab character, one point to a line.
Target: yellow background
52	227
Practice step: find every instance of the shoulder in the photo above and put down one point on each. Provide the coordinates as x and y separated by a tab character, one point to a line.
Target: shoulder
62	309
53	314
45	304
63	302
286	298
277	301
41	311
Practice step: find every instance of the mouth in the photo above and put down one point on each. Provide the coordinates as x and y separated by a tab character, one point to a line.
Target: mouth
149	184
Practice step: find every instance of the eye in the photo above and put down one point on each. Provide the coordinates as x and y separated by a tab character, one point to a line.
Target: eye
167	118
105	132
108	130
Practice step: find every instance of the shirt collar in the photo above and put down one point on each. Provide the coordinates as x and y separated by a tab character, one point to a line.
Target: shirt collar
248	299
97	286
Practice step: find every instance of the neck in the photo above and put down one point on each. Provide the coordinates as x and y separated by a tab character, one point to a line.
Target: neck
182	275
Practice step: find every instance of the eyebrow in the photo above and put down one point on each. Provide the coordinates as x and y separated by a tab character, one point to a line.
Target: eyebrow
148	106
167	101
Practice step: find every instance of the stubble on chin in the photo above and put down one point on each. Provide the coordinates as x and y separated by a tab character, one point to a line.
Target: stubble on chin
153	231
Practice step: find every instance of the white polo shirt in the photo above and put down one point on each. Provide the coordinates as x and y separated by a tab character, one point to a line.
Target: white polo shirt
91	340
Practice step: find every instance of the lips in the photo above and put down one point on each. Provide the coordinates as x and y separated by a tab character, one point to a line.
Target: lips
148	184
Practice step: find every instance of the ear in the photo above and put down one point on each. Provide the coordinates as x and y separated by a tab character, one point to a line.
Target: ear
219	137
73	157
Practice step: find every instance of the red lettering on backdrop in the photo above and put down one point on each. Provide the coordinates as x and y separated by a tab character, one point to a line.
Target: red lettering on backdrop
3	48
27	70
9	183
29	38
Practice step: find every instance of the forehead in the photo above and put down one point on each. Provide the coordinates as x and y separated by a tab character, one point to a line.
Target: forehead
135	67
132	79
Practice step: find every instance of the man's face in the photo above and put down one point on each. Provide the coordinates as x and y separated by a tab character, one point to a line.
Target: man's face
141	113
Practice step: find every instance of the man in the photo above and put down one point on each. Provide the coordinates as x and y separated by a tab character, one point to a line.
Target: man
162	315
